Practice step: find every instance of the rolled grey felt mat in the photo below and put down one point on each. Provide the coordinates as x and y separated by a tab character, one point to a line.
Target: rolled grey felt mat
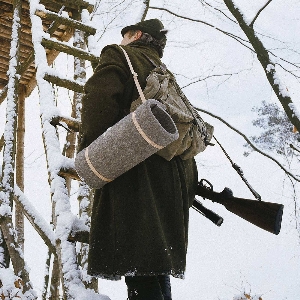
133	139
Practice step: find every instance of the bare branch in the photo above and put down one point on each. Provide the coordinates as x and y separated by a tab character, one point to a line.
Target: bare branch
252	23
285	69
250	143
295	148
237	38
147	4
210	76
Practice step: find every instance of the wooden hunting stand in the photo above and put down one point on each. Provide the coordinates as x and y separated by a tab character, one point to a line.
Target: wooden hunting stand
32	34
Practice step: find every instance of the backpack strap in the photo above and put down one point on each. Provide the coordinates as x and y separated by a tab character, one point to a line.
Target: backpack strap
135	75
162	66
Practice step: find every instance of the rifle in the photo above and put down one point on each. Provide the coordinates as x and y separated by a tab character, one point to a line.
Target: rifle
265	215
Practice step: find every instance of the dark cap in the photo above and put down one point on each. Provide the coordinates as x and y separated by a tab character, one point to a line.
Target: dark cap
154	27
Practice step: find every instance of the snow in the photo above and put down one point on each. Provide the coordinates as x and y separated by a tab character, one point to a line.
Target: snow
38	219
8	288
295	110
236	258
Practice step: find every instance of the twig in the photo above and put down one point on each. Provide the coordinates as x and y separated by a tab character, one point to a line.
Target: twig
295	148
215	75
219	10
237	38
250	143
253	21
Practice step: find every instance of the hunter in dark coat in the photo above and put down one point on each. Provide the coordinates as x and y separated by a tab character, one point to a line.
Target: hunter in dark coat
139	224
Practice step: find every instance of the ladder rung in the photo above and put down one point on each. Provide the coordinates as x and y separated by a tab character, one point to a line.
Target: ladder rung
46	14
64	47
69	173
75	4
79	236
66	83
72	124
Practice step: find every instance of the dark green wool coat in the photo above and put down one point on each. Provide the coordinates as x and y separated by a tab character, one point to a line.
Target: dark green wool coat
139	222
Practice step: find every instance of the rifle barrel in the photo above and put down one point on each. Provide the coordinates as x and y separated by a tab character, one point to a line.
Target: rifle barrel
209	214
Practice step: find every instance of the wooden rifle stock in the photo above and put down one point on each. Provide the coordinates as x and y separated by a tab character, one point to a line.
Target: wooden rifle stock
265	215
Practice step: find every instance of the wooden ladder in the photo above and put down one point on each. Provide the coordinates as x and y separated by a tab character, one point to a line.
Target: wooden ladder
68	276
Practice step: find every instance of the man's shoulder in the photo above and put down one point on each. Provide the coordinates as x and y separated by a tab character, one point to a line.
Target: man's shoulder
111	48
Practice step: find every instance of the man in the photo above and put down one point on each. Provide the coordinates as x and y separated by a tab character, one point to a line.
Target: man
139	224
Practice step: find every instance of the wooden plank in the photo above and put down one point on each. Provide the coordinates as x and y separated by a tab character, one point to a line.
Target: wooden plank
5	43
4	55
3	84
24	3
5	29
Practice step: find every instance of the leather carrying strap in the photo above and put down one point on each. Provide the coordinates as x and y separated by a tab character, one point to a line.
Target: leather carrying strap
135	75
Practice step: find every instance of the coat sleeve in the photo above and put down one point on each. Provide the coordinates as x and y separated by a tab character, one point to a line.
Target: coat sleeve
103	93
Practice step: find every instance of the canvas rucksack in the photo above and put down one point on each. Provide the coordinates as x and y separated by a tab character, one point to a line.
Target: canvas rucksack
194	133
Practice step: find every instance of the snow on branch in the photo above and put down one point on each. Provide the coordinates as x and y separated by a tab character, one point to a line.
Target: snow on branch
42	227
269	67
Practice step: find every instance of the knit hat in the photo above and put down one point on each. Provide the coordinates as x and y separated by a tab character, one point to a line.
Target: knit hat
154	27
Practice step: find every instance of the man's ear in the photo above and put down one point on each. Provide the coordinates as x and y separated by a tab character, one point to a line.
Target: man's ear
138	35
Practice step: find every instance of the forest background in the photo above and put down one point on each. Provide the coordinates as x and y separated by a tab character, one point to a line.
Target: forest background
220	73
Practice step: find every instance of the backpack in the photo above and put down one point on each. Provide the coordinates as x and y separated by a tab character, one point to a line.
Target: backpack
194	133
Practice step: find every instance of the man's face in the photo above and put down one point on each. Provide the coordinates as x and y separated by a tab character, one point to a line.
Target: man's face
129	37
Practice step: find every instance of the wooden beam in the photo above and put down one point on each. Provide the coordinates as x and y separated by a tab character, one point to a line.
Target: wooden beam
74	4
38	224
72	123
68	22
68	84
19	215
69	173
63	47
